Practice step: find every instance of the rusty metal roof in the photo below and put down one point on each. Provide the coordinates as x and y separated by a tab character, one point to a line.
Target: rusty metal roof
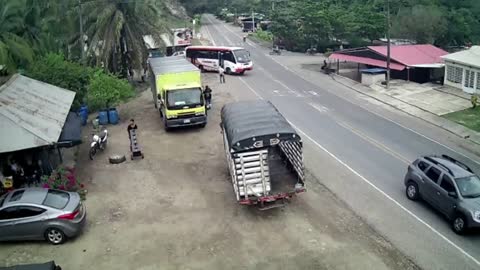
32	113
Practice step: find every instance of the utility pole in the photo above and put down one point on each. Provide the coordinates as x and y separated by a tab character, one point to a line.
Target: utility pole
82	43
273	5
253	20
388	44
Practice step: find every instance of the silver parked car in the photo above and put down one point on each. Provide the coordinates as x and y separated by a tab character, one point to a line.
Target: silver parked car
449	186
41	214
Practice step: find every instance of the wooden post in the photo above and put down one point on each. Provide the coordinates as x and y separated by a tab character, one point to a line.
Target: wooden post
60	155
338	66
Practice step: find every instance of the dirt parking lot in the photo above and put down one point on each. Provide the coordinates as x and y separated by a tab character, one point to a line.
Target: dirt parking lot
176	209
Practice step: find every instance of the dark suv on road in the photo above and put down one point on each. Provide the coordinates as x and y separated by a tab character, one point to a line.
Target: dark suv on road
449	186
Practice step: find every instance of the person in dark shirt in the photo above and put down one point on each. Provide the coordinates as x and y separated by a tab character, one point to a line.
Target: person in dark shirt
131	126
208	95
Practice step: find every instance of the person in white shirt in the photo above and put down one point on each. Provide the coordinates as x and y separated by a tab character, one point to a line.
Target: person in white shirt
221	73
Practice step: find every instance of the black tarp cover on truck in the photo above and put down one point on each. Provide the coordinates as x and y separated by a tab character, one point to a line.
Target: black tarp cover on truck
255	124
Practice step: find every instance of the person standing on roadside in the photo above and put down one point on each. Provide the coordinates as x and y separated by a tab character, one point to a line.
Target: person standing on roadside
221	73
131	126
208	96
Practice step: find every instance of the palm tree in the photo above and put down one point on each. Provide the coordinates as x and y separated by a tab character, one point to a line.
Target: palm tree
15	51
115	29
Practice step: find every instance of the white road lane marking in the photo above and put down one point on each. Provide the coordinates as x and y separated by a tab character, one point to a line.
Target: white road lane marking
249	87
323	109
210	34
384	117
313	93
377	114
319	107
462	251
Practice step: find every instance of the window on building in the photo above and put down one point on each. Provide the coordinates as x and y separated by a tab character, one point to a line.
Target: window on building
478	80
469	78
450	73
457	75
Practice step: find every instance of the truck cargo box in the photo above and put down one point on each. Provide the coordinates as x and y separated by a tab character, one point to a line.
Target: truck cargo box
264	154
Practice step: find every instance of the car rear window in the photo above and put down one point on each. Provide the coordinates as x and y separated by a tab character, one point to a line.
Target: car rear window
56	199
16	195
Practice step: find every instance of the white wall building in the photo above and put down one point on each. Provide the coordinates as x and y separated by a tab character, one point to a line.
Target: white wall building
462	70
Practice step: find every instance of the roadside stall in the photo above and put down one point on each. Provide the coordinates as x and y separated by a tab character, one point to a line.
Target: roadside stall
36	125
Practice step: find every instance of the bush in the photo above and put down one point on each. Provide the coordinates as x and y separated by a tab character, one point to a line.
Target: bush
106	90
264	35
54	69
62	178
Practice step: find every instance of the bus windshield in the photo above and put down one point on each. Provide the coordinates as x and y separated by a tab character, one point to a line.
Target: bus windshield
242	56
184	98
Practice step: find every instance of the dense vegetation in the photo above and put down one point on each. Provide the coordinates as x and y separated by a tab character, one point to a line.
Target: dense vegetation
44	39
328	23
112	31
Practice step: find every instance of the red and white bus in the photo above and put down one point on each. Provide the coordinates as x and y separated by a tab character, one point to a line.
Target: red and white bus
235	60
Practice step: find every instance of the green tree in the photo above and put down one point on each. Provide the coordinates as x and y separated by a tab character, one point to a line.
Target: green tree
105	90
54	69
15	51
424	24
116	29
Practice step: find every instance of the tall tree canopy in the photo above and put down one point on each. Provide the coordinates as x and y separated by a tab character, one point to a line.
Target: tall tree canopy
113	30
328	22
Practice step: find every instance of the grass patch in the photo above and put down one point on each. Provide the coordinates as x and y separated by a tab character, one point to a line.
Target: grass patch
263	35
469	118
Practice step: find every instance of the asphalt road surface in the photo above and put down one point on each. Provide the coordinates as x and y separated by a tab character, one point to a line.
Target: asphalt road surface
374	149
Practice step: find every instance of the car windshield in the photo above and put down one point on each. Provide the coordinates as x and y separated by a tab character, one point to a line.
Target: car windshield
242	56
56	199
189	97
469	186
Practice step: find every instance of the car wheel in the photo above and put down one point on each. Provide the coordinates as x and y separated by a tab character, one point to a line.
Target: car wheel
228	71
201	68
412	191
459	224
117	159
55	236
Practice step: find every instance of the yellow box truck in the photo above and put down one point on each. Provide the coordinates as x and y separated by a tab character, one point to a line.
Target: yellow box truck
177	92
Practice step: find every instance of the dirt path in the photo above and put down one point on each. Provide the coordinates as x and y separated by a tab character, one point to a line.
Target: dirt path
176	210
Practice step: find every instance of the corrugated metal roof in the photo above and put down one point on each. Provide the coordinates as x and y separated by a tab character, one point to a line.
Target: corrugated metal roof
32	113
172	64
402	56
470	57
411	55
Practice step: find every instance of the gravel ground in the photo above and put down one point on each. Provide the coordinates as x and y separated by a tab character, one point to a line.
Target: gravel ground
176	209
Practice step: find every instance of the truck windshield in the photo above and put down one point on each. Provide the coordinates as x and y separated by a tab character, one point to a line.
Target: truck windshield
469	186
184	98
242	56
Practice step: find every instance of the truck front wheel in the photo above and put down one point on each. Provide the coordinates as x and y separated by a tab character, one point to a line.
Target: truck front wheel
165	125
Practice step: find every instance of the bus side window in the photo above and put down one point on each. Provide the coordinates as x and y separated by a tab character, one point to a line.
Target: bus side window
212	55
228	56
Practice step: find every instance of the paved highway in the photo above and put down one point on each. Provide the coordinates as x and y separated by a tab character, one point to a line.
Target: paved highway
373	149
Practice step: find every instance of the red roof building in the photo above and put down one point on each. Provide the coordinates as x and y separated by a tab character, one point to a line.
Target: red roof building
422	58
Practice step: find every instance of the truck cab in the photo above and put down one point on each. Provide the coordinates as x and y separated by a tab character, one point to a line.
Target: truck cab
182	105
177	92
